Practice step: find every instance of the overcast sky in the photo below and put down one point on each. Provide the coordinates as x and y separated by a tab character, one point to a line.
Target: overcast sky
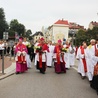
37	13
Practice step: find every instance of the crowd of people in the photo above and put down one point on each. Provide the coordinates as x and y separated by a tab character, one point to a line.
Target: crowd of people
87	57
59	56
45	55
53	55
8	50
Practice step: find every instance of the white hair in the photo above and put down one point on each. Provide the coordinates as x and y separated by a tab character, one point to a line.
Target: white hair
92	40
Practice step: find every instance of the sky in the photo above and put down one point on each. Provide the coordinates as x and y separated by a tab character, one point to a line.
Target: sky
37	13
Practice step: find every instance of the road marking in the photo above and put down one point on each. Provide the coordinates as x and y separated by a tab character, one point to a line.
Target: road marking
75	68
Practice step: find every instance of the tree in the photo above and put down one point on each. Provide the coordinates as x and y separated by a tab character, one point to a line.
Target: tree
21	29
3	23
86	36
80	37
92	34
28	34
15	26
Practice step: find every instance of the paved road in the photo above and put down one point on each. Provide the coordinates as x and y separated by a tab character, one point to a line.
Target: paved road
32	84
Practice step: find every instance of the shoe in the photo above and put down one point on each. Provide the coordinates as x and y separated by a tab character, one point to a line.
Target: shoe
83	77
58	72
49	66
90	82
43	72
17	72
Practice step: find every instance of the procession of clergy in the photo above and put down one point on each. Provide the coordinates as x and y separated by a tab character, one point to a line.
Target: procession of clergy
60	57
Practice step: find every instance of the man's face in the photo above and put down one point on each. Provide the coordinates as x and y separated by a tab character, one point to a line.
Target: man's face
42	42
59	43
25	39
50	42
93	43
84	45
20	41
66	42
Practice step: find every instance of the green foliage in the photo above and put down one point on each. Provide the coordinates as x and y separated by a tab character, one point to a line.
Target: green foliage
29	34
15	26
3	23
86	36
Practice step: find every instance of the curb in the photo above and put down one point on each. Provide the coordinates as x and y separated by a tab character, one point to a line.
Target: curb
8	72
6	75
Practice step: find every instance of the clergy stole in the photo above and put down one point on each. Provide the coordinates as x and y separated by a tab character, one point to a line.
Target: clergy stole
58	55
40	59
96	66
96	51
40	56
83	59
44	47
62	56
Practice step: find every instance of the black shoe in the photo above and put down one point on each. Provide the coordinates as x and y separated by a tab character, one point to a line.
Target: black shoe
92	86
67	68
83	77
43	72
49	66
17	72
58	72
90	82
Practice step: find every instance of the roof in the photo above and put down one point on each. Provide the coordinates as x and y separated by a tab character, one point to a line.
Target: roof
37	33
73	25
94	23
64	22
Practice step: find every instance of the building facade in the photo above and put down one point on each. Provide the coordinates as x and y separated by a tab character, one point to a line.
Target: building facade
92	25
59	30
37	36
74	28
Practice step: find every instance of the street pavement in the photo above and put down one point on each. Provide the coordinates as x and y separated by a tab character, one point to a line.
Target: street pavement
7	62
32	84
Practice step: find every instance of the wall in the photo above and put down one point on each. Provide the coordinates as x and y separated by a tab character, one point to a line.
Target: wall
60	32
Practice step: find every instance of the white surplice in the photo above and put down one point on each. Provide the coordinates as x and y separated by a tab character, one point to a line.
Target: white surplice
49	55
66	57
72	56
27	56
91	61
35	61
79	56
